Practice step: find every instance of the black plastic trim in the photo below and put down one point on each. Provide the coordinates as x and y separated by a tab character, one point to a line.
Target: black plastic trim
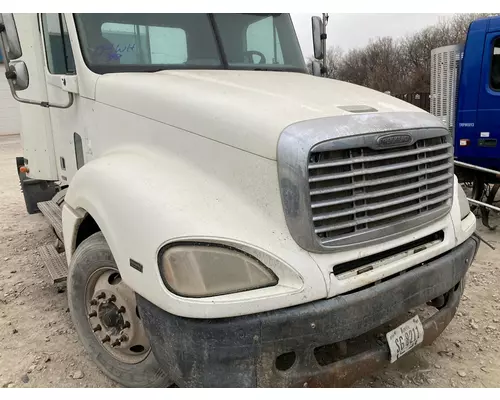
137	266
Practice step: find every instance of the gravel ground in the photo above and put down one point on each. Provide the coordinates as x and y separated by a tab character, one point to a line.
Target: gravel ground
39	346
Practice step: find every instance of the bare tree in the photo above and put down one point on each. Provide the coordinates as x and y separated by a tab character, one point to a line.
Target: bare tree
416	52
459	25
334	59
354	68
384	65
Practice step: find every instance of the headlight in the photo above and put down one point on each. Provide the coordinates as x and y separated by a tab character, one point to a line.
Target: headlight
211	270
463	203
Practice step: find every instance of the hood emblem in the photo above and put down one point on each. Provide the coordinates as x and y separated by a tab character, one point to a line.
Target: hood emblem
394	140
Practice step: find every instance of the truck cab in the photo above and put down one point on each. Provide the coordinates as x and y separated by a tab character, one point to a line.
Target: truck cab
465	92
477	127
227	218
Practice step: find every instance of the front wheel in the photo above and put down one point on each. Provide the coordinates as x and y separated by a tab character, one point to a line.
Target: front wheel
104	311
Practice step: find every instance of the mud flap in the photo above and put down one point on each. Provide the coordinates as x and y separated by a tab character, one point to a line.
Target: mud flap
34	190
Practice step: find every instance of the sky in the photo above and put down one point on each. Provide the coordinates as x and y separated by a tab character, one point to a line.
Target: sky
355	30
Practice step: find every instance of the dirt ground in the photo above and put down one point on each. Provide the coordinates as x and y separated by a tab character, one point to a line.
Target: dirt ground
39	346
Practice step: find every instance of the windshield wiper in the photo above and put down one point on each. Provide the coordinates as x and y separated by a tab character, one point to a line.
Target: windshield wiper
264	14
269	69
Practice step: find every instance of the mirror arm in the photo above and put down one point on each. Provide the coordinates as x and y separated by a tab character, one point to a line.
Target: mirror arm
45	104
11	75
324	68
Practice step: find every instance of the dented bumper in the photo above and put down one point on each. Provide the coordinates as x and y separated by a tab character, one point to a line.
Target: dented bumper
312	345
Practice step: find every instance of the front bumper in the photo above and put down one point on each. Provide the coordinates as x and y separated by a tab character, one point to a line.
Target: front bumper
243	351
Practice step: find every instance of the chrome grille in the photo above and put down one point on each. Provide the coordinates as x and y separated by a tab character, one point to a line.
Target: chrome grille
357	191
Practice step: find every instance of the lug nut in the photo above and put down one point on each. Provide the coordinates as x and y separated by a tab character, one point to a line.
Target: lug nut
121	310
123	338
112	299
97	328
106	339
101	295
126	324
116	343
93	314
93	302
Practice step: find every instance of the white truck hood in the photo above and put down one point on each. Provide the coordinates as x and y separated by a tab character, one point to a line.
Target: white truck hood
244	109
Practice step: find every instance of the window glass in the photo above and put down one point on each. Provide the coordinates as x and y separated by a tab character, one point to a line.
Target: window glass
139	44
153	42
177	49
259	41
495	66
119	42
262	37
60	59
130	42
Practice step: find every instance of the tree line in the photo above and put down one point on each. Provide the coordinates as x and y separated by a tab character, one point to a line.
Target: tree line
397	65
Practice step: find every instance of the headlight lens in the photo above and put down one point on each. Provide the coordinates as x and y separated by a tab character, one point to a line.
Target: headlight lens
463	203
211	270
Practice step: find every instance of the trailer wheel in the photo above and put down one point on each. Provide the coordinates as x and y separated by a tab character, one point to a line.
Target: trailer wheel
104	312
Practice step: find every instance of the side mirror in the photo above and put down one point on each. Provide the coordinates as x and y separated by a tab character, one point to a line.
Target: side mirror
8	30
18	74
16	70
316	68
317	31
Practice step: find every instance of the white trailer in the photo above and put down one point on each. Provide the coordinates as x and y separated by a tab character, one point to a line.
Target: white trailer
229	219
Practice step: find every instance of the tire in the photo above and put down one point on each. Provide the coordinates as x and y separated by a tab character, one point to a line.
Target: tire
92	255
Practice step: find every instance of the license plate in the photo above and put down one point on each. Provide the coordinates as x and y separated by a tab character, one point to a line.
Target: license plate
405	337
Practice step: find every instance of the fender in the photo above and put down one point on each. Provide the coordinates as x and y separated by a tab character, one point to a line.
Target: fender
143	198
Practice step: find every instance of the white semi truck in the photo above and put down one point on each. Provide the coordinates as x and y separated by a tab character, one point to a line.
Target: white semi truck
227	218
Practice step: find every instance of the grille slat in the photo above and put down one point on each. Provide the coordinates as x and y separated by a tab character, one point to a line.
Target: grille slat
378	193
382	216
378	158
395	178
360	190
390	167
399	200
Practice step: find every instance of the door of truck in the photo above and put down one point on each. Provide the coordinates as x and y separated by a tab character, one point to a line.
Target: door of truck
488	110
61	80
36	130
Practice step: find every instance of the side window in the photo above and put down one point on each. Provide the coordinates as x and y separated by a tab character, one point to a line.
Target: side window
138	44
495	66
258	35
60	59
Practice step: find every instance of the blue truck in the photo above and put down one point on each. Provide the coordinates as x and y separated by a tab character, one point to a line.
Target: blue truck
465	93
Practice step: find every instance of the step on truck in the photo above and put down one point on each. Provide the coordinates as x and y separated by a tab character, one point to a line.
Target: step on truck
227	218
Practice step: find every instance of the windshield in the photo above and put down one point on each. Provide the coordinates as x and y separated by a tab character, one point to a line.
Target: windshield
153	42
